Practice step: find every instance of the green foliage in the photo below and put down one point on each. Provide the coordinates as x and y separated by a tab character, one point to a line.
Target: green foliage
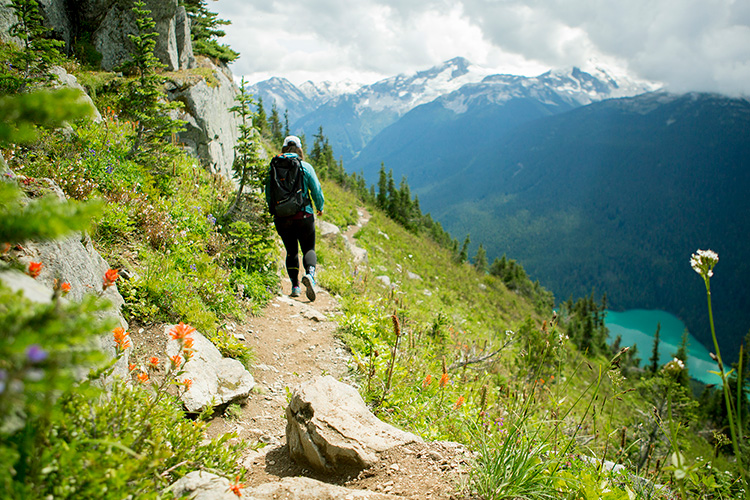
144	101
22	114
248	168
204	31
23	220
29	66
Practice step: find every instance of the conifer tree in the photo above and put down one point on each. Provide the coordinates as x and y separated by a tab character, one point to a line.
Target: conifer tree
204	31
247	166
654	359
382	200
463	255
144	98
480	259
39	50
274	125
261	122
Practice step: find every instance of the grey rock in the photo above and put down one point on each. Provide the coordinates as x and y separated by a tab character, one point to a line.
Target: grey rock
216	380
183	41
114	23
110	37
67	80
330	428
74	260
327	229
56	17
384	280
304	488
7	20
200	485
413	276
211	131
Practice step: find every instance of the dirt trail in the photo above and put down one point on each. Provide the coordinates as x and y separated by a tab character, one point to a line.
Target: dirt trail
293	340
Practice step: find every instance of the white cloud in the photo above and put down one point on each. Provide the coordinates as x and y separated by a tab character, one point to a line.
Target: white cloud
687	44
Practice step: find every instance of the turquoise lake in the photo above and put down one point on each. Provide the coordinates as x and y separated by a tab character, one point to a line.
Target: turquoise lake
638	326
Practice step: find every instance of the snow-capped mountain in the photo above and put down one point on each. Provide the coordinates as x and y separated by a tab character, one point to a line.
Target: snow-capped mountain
351	115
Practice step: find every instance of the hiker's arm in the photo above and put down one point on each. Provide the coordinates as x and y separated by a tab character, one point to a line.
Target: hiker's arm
313	184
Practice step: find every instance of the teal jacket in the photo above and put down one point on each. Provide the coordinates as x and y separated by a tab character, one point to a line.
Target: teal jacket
310	186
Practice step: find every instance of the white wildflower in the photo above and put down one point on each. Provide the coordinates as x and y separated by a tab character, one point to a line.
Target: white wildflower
703	262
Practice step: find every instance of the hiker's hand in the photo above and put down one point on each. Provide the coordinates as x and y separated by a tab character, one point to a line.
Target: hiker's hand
320	213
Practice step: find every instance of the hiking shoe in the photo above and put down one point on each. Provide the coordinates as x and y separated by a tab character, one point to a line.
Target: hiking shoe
296	291
309	283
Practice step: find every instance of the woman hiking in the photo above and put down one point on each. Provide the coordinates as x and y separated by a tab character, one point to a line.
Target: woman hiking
291	189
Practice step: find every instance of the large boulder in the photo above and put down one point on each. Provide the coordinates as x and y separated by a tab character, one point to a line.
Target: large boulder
115	22
200	485
56	17
216	380
73	260
330	428
212	131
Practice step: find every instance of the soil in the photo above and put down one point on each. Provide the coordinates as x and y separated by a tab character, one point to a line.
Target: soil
293	340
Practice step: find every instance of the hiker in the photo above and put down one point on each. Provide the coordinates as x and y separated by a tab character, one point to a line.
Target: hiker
291	185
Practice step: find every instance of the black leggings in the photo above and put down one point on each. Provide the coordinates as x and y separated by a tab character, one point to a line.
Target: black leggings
294	232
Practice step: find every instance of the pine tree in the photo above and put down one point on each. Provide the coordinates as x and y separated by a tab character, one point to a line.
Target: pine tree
261	120
654	359
274	125
382	200
247	166
480	259
144	99
204	31
463	255
39	50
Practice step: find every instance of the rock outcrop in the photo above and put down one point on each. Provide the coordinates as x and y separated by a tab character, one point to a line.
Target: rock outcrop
211	131
111	23
73	260
216	380
330	428
199	485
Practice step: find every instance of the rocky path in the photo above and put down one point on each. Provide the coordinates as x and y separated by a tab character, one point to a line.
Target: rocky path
294	340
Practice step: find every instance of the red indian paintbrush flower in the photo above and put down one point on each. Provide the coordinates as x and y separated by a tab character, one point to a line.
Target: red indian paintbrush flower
65	288
236	487
110	277
121	338
427	380
444	380
143	377
34	269
459	402
153	361
181	331
176	360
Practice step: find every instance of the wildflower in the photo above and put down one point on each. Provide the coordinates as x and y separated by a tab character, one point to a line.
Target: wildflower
236	487
176	361
131	367
181	331
110	277
188	383
444	380
121	338
65	287
459	402
703	262
153	361
143	377
35	353
34	269
5	248
427	380
189	343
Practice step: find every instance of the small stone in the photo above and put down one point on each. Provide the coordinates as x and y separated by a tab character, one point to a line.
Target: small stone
395	467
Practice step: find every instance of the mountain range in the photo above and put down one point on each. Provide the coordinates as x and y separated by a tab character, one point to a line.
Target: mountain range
591	181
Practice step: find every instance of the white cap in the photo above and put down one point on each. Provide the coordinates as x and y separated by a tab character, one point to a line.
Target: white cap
293	139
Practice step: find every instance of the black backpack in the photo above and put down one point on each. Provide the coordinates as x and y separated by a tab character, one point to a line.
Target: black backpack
285	186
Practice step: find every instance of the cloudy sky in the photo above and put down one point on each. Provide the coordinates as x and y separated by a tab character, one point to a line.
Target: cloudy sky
701	45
